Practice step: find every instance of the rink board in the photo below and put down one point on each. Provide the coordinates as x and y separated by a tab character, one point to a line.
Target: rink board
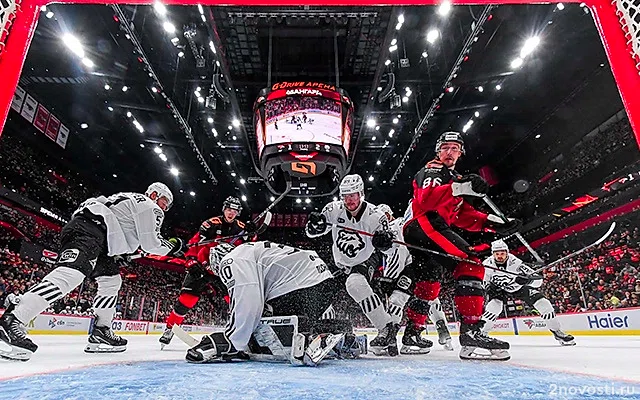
624	322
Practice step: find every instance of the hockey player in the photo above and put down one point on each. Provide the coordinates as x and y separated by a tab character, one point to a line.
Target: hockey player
500	285
356	254
101	228
393	275
199	277
291	281
439	203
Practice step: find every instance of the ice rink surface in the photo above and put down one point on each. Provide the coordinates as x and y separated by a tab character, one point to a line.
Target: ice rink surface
598	367
324	129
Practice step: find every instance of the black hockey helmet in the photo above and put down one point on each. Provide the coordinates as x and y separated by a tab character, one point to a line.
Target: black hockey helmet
232	203
454	137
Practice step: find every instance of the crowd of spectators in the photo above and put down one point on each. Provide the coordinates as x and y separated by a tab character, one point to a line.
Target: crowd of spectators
147	293
29	226
36	176
588	155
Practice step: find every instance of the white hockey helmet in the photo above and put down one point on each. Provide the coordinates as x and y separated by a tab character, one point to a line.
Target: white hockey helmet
385	209
352	184
162	190
217	253
499	245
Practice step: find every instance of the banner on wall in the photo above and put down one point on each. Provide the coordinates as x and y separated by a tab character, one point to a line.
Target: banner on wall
29	108
18	99
63	135
41	119
52	128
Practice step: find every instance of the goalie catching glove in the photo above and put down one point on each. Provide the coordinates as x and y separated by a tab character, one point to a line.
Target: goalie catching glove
317	223
382	240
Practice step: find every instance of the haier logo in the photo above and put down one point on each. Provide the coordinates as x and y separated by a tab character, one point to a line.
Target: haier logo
596	322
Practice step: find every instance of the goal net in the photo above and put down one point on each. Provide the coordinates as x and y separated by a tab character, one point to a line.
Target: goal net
7	14
629	14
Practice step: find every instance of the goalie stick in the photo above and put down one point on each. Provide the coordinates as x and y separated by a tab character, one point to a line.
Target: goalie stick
184	336
575	253
441	254
501	215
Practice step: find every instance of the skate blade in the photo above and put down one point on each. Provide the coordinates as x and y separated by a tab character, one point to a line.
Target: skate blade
413	350
471	353
162	346
315	353
16	355
448	345
103	348
571	343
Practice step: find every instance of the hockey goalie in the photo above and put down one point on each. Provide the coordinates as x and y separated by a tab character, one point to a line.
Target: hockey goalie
288	282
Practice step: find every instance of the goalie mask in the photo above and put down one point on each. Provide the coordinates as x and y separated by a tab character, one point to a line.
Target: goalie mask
217	253
161	191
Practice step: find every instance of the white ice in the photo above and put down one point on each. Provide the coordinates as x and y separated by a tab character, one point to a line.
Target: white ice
61	360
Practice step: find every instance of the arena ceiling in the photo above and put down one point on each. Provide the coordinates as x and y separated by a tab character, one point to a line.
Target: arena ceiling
451	67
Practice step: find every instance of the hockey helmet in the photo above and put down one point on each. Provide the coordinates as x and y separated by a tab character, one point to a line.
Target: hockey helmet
385	209
450	137
232	203
352	184
499	245
163	191
217	253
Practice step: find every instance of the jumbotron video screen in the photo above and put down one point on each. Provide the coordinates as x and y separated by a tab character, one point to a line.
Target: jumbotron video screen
304	114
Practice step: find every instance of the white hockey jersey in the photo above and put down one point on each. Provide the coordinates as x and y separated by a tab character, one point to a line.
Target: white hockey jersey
276	268
133	221
504	281
351	248
395	262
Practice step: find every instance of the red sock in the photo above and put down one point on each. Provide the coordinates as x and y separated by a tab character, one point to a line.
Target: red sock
186	301
417	319
470	308
174	319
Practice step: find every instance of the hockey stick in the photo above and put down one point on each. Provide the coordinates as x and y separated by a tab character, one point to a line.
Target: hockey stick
501	215
575	253
267	220
184	336
440	254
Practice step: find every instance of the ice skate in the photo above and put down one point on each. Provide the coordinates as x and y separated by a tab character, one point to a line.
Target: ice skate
14	343
473	338
386	342
103	340
166	337
444	337
413	342
564	338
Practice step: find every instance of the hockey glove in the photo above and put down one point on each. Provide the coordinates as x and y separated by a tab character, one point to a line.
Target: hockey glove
499	226
194	268
179	247
521	280
317	223
470	185
382	240
250	228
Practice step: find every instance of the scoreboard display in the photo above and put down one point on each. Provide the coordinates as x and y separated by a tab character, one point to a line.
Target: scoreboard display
303	130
